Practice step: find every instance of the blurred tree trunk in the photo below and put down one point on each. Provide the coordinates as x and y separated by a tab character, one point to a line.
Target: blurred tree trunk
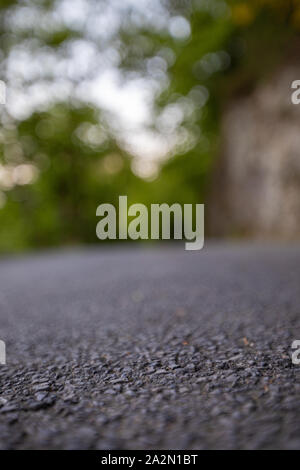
256	185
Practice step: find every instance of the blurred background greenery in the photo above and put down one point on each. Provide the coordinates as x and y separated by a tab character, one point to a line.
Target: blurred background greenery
106	98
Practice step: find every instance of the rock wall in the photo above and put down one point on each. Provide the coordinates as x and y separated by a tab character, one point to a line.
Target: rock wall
256	186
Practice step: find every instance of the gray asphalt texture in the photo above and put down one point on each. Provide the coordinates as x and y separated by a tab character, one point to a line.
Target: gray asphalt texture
141	348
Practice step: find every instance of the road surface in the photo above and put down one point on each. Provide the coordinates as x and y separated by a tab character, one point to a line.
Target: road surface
141	348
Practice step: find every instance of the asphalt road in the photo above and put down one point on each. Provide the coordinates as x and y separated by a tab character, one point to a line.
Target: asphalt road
139	348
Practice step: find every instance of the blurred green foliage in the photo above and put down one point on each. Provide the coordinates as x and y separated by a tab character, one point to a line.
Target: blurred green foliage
75	164
61	161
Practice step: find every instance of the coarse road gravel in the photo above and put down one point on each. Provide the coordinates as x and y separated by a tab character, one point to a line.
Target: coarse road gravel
141	348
